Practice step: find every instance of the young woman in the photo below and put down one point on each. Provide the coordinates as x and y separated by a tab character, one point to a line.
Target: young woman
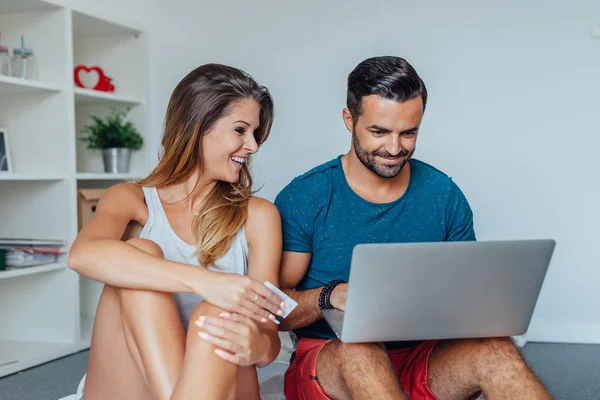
190	231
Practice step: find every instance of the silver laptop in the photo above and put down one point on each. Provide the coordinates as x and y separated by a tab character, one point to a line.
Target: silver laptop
441	290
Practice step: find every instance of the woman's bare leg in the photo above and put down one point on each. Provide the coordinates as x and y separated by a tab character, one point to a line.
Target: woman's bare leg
138	347
207	376
138	343
247	384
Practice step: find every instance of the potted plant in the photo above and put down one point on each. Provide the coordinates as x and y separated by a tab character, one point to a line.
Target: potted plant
115	137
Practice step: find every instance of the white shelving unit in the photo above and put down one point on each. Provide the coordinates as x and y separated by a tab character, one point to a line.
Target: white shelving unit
9	84
47	311
87	97
31	177
90	176
32	270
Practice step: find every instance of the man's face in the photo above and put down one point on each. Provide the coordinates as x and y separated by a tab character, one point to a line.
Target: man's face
385	135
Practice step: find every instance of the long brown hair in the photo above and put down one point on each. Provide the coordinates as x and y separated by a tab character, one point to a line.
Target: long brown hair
203	97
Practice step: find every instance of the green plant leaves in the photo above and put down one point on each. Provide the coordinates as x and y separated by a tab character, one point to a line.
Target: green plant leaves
112	131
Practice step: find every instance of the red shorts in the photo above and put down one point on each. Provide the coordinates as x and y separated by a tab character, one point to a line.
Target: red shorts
411	365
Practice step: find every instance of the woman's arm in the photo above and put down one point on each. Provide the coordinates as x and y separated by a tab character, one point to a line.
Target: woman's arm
98	252
263	232
240	340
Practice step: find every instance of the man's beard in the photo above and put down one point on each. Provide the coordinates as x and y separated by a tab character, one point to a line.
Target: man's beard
382	170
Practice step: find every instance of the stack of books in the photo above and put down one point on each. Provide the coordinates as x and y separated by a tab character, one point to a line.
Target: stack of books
22	253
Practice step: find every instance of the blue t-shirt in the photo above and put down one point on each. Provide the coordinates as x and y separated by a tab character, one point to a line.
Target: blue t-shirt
322	215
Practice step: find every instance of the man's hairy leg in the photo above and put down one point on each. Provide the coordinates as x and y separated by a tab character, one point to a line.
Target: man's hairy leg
357	371
459	368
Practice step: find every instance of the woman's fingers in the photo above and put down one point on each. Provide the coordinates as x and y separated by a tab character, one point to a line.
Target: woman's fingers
232	358
234	317
225	344
223	334
246	312
265	292
266	305
225	328
260	295
215	328
255	309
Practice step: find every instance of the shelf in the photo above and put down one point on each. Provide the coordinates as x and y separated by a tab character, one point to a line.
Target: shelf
12	6
44	119
100	176
39	269
17	356
4	176
9	84
86	25
88	96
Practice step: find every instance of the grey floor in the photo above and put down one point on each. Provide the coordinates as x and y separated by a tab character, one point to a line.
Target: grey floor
569	372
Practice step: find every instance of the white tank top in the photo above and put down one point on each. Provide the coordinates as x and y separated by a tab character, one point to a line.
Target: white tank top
159	230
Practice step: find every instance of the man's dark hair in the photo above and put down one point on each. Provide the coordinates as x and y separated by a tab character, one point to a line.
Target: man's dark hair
392	78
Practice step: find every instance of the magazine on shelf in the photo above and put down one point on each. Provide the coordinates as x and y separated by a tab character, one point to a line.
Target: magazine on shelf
22	242
20	259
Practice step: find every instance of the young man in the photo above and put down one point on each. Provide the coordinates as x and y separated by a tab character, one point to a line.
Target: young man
378	193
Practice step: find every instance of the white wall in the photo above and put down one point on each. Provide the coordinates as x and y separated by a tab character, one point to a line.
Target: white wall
513	114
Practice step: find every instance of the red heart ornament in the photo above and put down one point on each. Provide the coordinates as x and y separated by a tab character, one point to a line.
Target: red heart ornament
104	83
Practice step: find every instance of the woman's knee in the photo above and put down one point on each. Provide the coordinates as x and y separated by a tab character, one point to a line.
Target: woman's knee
139	304
132	297
147	246
143	299
151	248
204	309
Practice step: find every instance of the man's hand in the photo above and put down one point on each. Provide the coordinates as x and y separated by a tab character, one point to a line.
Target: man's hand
338	296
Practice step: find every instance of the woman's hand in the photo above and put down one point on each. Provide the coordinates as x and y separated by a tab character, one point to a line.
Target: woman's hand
242	295
237	337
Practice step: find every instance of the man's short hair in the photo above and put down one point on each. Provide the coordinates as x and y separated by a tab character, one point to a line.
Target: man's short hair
390	77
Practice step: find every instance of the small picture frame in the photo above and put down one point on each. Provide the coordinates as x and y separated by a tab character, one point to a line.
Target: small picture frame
5	163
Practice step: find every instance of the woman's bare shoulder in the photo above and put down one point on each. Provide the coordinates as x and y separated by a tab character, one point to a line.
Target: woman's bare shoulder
259	208
263	218
124	198
125	191
120	206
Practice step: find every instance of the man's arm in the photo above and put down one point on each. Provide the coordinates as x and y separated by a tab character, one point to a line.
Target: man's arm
293	268
297	224
459	217
306	313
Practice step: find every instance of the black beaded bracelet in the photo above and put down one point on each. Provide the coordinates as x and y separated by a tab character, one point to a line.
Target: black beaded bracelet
325	295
